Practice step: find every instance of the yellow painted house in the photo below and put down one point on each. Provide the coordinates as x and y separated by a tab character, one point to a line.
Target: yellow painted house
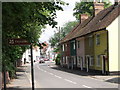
104	29
106	40
100	35
101	51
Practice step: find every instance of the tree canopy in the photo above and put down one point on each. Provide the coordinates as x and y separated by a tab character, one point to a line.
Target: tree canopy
87	8
63	31
24	20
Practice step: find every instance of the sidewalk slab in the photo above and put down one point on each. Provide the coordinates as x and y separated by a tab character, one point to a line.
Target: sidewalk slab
21	81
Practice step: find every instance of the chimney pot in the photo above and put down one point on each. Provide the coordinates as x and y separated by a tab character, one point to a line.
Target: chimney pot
98	7
84	17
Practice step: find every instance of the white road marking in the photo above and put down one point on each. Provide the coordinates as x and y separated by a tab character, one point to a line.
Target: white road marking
45	71
51	73
70	81
58	76
86	86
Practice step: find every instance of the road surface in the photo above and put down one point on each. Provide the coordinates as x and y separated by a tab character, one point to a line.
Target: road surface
46	75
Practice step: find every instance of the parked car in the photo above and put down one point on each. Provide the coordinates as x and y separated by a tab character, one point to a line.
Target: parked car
46	59
41	61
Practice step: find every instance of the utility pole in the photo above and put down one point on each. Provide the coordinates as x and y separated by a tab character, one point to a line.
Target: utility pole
32	69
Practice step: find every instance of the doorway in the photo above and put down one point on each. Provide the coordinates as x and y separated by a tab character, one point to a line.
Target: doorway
87	62
103	64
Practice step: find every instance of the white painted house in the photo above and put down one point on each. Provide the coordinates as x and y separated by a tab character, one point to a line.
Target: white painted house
27	54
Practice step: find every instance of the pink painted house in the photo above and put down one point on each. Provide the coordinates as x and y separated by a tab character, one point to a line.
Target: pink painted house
80	52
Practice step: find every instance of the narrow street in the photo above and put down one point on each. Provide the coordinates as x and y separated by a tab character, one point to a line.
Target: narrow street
47	75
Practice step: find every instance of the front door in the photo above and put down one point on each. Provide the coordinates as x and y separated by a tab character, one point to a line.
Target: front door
103	64
87	60
81	63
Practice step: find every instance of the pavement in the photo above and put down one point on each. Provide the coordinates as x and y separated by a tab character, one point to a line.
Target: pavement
22	80
107	78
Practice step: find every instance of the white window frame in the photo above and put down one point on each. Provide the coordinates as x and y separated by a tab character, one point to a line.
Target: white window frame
74	45
63	60
63	47
66	59
74	59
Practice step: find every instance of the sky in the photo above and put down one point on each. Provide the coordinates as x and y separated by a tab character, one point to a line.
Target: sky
62	18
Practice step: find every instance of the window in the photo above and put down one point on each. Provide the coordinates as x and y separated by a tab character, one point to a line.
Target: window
66	59
78	44
91	61
63	60
98	39
74	60
63	47
66	46
74	45
98	60
90	41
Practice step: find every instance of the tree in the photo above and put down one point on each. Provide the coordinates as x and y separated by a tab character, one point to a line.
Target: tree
62	32
54	41
24	20
87	8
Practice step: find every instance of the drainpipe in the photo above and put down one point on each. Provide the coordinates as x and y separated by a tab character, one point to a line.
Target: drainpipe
108	52
76	52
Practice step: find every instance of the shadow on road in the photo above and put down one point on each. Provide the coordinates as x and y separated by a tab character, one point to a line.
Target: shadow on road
114	80
75	71
84	73
17	88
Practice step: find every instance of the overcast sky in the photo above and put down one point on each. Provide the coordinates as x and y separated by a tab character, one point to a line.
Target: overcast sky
62	18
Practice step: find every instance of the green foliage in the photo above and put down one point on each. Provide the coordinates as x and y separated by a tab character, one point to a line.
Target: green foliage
87	8
24	20
57	60
67	27
56	50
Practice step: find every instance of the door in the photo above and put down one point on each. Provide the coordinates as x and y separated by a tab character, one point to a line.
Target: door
87	62
81	63
103	65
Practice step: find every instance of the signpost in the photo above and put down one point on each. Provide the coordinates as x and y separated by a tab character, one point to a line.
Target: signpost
19	41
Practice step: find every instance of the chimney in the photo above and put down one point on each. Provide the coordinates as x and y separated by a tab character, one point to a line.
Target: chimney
83	17
98	6
116	2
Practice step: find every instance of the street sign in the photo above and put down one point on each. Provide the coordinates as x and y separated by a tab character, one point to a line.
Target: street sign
18	41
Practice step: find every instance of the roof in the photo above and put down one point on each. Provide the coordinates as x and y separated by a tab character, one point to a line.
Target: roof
100	21
75	29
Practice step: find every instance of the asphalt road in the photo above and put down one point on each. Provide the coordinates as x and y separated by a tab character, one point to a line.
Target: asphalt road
46	75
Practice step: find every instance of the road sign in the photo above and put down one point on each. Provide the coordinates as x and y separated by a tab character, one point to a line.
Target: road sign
18	41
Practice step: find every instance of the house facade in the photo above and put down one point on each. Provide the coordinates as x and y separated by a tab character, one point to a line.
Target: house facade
73	54
80	52
113	30
89	52
94	43
101	51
